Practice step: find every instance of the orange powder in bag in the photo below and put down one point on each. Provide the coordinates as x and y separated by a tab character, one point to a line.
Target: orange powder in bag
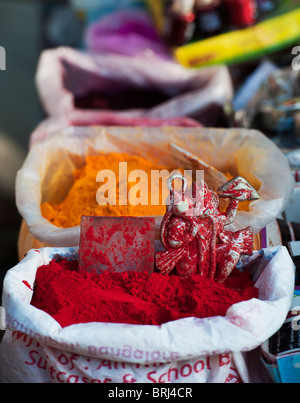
82	197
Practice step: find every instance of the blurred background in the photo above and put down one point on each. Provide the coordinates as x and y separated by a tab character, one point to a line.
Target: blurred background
28	27
20	35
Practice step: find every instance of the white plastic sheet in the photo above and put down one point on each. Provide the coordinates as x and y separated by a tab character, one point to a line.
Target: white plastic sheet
36	349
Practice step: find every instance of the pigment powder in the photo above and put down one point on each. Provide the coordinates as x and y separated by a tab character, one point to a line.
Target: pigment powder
131	297
81	198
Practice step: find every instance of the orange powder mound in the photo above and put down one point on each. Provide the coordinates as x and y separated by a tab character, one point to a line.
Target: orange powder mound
81	199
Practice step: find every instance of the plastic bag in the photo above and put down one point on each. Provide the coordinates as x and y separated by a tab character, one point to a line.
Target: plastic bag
65	75
36	349
90	118
47	173
136	29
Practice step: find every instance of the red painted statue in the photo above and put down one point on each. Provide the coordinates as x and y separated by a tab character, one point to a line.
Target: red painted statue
193	230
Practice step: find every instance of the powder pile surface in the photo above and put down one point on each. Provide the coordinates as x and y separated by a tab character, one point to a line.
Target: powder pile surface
133	298
81	199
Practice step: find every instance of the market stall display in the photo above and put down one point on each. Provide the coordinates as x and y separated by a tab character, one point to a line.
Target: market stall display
151	199
36	348
47	173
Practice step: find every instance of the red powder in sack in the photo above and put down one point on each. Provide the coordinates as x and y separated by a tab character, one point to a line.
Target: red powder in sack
134	298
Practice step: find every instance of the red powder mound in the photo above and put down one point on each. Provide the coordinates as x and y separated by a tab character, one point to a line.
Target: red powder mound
133	298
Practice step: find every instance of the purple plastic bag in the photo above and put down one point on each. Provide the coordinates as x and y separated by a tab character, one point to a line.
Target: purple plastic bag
64	75
133	28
